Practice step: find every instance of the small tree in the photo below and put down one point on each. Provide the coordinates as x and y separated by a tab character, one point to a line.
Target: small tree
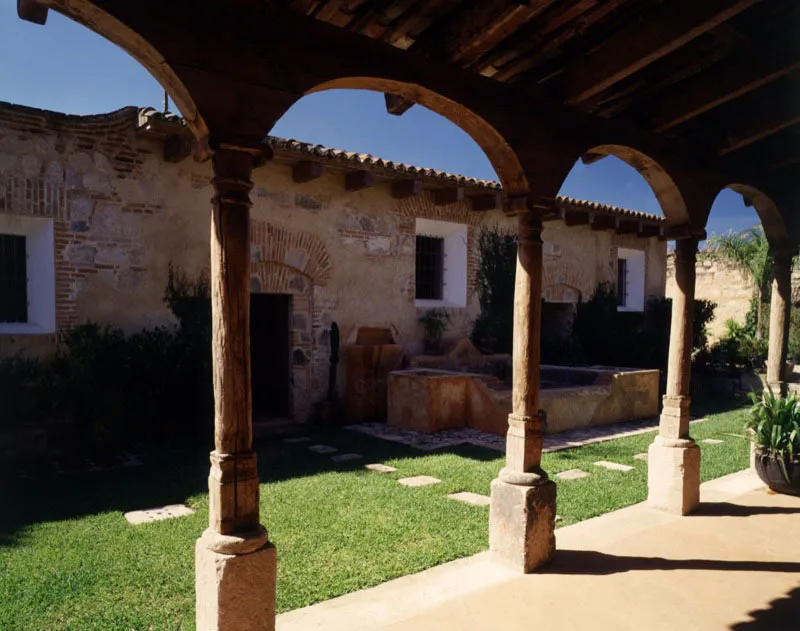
749	250
494	327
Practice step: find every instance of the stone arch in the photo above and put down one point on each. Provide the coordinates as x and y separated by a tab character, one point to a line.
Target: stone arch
95	19
561	277
502	156
301	251
296	263
668	193
774	226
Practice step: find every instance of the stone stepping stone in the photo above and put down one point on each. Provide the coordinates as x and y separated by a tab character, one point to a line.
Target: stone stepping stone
613	466
346	457
475	499
322	449
642	456
712	441
419	480
380	468
296	440
559	518
148	515
572	474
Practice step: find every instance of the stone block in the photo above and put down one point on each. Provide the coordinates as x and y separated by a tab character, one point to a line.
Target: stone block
235	591
322	449
613	466
474	499
157	514
522	524
673	479
346	457
572	474
380	468
712	441
419	480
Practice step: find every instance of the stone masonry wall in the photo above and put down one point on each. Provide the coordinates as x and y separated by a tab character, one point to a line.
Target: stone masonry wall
121	214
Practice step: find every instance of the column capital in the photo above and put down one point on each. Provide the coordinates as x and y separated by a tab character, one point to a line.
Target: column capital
685	232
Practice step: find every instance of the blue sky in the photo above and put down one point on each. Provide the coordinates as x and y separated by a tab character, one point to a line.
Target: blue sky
65	67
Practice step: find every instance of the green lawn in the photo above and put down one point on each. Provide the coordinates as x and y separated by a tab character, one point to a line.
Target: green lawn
69	560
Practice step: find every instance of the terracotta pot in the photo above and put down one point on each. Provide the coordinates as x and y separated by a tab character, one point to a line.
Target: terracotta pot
780	477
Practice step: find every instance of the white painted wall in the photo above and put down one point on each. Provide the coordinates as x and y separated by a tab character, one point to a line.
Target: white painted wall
635	278
455	261
41	269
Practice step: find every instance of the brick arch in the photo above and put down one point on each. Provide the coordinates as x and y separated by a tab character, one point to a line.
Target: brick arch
297	250
560	277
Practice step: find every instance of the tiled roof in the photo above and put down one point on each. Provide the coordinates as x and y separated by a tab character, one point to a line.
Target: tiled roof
352	159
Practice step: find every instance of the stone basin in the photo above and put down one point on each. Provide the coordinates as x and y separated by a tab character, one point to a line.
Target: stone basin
429	400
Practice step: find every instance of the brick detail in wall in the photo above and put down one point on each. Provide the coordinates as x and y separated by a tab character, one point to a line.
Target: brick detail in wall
297	263
301	251
423	207
559	279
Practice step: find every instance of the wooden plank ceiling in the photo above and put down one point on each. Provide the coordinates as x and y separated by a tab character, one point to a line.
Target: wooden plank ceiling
719	75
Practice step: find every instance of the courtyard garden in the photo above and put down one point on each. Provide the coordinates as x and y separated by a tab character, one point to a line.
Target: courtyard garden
70	560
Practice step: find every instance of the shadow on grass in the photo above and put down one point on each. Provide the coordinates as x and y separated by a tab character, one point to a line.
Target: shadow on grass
781	613
592	563
170	477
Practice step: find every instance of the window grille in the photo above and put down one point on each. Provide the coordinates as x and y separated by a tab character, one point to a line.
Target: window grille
13	279
622	282
430	268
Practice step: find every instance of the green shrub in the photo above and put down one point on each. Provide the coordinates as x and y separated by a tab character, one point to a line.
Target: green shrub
493	331
20	399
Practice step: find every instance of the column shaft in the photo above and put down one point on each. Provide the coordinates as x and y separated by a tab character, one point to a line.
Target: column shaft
779	318
675	416
233	482
235	565
525	425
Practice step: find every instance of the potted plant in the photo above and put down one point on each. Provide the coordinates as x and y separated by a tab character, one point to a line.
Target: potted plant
434	322
774	427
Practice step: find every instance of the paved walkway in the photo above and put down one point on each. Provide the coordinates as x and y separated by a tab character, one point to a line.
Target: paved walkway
733	565
469	436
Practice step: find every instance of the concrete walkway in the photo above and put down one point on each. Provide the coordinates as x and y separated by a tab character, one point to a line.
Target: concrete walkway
735	564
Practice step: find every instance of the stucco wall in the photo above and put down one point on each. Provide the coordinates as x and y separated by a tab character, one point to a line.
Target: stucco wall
121	214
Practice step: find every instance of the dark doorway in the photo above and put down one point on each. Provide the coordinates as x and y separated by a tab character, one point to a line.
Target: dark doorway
270	368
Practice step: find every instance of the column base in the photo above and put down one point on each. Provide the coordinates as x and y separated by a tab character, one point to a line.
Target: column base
235	582
673	479
522	521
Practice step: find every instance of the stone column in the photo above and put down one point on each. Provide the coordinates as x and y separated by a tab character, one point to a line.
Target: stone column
779	312
674	458
523	508
235	563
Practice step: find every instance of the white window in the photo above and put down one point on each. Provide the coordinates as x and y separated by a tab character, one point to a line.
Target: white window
27	275
630	280
441	264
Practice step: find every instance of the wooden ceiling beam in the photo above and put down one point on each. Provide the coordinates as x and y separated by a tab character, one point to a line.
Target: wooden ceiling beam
627	226
660	32
178	147
306	170
650	230
723	83
487	201
599	221
741	136
406	188
444	196
558	214
573	218
397	105
32	11
359	180
477	27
